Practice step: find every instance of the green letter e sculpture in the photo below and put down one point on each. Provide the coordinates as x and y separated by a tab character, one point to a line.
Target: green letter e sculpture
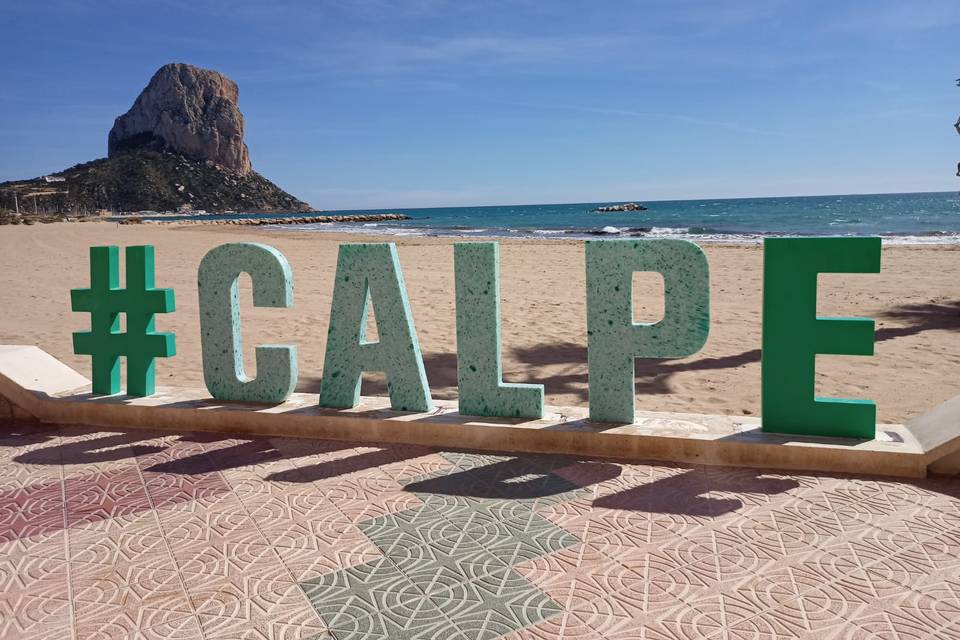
372	271
105	301
793	335
614	339
479	367
220	333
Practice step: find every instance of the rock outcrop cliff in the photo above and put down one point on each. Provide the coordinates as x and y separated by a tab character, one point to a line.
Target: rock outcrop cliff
179	147
189	111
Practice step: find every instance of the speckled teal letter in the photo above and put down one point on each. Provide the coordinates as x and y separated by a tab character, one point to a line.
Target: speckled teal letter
372	271
479	368
220	338
614	339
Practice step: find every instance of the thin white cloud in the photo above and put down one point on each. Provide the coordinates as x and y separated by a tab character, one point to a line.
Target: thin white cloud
380	55
678	117
882	17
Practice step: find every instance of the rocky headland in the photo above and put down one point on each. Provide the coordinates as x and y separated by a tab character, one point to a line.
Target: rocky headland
188	111
179	147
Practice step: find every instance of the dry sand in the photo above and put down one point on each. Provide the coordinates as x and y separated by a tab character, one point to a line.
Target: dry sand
916	301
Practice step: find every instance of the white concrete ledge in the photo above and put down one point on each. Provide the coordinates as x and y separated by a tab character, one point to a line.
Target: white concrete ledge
54	393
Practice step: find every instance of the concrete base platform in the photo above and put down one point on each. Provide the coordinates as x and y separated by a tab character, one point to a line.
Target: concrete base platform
40	386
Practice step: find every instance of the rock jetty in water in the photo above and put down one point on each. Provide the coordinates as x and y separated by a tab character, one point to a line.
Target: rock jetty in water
179	147
259	222
627	206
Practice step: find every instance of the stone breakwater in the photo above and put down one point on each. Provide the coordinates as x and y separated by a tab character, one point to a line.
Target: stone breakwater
257	222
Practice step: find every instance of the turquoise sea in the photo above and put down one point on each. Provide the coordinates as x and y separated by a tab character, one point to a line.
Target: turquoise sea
911	218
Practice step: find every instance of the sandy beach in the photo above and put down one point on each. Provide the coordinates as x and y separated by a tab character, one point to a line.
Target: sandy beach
915	300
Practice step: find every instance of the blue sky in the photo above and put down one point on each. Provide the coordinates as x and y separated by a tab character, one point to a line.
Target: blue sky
374	103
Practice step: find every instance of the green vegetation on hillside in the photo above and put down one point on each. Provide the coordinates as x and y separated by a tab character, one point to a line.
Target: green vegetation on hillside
148	181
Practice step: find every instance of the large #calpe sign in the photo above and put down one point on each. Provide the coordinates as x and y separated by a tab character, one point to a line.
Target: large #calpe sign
370	275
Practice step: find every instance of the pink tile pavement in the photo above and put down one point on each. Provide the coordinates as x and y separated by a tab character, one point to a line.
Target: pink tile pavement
135	534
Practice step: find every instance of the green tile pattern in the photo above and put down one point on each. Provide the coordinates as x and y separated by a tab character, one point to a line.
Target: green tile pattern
447	566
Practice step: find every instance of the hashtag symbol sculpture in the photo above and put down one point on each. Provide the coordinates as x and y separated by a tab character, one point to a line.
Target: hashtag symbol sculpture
105	301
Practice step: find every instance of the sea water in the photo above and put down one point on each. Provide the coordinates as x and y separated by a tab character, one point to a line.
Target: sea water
905	218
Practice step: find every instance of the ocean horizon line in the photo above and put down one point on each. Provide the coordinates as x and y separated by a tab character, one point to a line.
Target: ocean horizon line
625	200
908	218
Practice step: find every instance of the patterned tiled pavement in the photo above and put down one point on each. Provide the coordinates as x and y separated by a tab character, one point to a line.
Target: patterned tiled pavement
135	534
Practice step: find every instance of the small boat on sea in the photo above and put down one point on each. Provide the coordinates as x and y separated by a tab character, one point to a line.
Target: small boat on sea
627	206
